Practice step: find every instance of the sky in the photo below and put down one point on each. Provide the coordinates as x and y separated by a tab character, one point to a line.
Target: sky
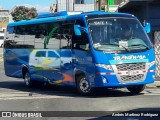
41	5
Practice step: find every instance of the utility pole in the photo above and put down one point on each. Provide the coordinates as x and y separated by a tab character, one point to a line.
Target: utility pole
99	4
67	5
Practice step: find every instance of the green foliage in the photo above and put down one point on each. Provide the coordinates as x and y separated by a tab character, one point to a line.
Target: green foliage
24	13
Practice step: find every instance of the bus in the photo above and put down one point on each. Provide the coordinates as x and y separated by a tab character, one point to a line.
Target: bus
86	50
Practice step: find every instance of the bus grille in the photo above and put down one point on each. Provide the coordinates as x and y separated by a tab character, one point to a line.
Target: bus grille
131	66
132	78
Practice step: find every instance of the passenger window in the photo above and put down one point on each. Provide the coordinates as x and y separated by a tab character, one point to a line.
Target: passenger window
52	40
81	42
10	30
41	54
66	35
80	22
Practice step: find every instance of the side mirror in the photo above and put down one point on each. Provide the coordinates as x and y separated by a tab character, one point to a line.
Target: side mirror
77	30
147	27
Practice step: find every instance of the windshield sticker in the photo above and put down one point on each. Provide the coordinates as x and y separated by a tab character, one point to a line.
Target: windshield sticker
123	44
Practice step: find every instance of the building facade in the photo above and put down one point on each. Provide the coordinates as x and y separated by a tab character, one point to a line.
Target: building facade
4	19
75	5
83	1
88	5
108	5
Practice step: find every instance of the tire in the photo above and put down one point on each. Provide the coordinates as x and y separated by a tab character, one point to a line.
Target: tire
136	89
83	85
27	79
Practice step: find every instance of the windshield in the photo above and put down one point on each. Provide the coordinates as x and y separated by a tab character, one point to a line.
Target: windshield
118	34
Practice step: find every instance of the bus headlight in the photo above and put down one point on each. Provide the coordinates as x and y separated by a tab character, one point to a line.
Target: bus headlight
107	67
150	64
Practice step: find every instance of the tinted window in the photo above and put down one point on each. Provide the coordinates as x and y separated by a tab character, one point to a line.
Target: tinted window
52	40
80	22
21	30
39	36
66	32
81	42
10	30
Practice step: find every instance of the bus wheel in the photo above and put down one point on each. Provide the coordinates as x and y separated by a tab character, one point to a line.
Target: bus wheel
136	89
27	79
83	85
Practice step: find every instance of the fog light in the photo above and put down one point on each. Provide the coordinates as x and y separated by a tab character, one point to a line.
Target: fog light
104	80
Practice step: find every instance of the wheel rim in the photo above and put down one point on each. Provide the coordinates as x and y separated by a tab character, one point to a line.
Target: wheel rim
84	85
27	79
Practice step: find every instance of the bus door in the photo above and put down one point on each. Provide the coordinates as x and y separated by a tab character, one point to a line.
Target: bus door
82	57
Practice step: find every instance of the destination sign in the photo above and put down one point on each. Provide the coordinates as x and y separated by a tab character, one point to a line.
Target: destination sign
100	22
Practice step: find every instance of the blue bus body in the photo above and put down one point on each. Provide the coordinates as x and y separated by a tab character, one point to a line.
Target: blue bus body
103	64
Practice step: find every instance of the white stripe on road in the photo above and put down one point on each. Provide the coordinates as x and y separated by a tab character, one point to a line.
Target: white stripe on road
25	95
33	97
44	95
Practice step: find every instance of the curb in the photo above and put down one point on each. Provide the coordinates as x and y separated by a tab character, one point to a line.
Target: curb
156	84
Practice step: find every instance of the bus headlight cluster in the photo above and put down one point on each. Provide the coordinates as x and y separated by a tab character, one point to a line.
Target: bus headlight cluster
150	64
107	67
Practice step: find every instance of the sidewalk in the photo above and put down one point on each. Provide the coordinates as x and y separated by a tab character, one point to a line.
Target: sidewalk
156	84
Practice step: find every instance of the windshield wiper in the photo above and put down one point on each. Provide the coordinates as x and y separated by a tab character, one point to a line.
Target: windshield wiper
147	48
117	45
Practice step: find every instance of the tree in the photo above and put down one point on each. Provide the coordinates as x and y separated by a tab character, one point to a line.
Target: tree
24	13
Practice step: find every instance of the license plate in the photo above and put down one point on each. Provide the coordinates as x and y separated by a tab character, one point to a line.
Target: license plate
133	72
